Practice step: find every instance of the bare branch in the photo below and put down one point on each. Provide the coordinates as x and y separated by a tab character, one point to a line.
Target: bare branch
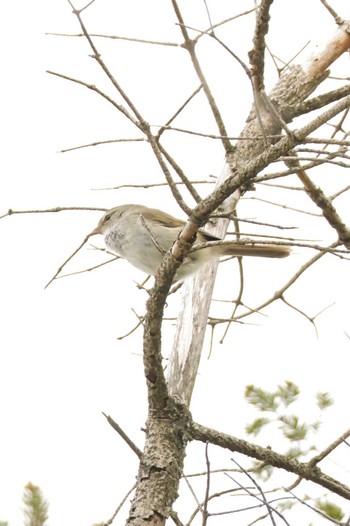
88	269
54	210
92	87
177	113
116	37
110	521
319	198
312	473
58	271
205	513
294	278
263	499
316	459
123	435
338	20
256	56
190	46
99	143
320	101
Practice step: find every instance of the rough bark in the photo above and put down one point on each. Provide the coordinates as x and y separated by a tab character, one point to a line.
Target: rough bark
161	466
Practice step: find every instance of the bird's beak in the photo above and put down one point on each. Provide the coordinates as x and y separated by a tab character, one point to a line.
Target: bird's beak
95	231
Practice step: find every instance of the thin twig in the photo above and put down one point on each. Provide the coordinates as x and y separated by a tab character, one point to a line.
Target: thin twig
66	261
338	20
150	185
154	240
54	210
268	506
140	322
100	143
278	294
263	502
88	269
190	46
316	459
123	435
110	521
205	513
116	37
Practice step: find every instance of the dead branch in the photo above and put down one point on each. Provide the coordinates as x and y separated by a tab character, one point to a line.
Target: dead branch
312	473
123	435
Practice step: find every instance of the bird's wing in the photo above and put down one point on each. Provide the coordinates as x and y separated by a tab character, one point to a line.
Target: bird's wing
170	221
157	216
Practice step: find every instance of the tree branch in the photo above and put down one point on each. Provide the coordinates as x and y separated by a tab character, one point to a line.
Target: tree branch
266	455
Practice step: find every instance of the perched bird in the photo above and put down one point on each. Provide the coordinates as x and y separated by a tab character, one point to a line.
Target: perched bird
142	236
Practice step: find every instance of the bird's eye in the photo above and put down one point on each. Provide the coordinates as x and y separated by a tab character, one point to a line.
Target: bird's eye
107	218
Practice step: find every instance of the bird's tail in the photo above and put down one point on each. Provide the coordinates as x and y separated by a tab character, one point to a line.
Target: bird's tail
264	251
245	249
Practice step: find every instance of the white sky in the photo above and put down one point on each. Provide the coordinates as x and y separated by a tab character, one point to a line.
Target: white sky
61	363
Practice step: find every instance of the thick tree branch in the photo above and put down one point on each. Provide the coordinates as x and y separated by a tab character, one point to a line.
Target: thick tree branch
266	455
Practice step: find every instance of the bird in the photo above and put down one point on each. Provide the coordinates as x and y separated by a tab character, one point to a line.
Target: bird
143	235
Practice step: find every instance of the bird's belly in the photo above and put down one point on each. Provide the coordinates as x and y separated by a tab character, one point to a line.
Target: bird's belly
148	259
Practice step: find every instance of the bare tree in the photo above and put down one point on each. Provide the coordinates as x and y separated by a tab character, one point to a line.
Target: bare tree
289	132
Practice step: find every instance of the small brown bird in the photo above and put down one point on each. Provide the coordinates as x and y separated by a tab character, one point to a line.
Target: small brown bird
142	235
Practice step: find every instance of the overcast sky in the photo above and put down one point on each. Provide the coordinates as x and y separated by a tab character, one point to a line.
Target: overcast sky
61	362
